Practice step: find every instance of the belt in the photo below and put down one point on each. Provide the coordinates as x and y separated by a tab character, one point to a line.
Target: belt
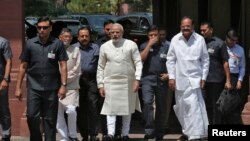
234	74
88	75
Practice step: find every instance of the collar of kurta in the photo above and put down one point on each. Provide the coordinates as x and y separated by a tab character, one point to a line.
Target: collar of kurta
193	35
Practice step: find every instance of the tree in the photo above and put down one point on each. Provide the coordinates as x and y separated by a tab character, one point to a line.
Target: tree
89	6
42	8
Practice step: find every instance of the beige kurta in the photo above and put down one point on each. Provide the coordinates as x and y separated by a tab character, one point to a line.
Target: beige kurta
74	72
118	67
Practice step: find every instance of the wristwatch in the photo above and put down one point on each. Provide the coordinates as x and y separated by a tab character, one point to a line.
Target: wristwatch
6	79
64	84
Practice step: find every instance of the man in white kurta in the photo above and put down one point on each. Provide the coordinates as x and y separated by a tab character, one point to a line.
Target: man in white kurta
188	64
118	75
70	102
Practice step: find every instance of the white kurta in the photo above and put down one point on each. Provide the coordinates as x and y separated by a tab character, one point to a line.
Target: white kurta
188	64
188	61
117	68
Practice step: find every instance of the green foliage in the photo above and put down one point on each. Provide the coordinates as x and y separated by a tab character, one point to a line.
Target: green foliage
57	7
89	6
42	8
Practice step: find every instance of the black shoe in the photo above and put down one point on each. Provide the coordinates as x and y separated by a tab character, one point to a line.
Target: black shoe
109	138
73	139
159	138
148	136
84	139
94	138
183	138
104	137
118	137
125	138
5	139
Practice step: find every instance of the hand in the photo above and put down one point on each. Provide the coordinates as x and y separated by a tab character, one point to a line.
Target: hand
4	85
164	76
62	92
136	84
203	82
18	94
238	86
153	41
228	85
102	92
171	84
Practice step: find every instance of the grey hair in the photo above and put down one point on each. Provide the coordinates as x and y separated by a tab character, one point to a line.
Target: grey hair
118	25
66	30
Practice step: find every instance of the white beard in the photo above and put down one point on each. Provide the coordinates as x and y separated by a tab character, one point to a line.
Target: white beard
115	41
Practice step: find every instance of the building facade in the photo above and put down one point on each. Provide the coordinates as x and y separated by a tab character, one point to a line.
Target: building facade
224	14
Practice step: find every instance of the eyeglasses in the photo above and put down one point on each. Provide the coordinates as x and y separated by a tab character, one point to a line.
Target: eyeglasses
42	27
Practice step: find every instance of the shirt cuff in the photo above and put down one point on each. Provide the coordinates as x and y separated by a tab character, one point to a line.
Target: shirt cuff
100	86
204	77
240	78
171	76
138	78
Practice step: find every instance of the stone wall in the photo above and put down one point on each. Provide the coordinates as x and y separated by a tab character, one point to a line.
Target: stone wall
12	28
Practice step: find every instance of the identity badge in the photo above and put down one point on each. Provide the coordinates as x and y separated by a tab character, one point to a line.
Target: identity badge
210	50
163	55
51	55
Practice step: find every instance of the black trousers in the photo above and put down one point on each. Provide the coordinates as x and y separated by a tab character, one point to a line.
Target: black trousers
42	104
88	111
5	118
211	94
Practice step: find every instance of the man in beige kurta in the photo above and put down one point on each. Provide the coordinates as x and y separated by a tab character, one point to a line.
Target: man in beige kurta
118	75
70	102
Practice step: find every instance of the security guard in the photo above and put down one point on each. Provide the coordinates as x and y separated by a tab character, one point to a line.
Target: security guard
5	67
154	84
41	59
219	74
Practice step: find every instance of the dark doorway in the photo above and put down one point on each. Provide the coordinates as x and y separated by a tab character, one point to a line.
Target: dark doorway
203	15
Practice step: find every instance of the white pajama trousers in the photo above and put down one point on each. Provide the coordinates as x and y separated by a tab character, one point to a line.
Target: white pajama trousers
125	124
191	112
61	126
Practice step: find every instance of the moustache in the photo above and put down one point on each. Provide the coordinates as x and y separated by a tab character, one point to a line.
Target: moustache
84	40
185	30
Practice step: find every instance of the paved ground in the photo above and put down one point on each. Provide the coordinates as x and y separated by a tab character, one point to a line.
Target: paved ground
134	137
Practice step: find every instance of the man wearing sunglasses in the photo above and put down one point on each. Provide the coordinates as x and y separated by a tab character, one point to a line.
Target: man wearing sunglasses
42	59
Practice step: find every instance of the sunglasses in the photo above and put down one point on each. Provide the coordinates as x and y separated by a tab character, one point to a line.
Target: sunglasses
42	27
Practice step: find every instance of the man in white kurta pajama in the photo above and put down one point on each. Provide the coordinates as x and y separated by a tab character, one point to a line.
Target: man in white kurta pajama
118	75
68	131
188	64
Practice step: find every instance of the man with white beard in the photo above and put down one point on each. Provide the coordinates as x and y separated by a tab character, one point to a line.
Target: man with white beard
118	75
70	102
